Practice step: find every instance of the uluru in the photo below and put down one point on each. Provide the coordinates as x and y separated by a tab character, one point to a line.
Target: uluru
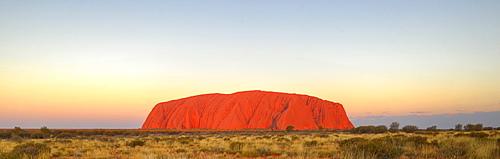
248	110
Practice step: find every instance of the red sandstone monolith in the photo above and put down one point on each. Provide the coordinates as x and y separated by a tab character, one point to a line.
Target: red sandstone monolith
248	109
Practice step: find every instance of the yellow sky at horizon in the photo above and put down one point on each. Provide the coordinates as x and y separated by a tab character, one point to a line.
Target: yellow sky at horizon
72	60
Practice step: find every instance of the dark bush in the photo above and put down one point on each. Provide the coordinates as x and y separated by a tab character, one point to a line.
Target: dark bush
110	133
30	149
410	128
458	127
322	135
394	127
5	134
127	133
352	141
236	146
135	143
17	129
488	128
432	128
461	135
310	143
380	129
452	150
417	140
473	127
376	147
45	130
87	133
65	135
282	139
370	129
24	134
37	135
479	135
16	138
180	150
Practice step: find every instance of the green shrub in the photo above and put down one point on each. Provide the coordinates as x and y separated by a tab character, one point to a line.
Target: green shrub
363	148
410	128
16	138
5	134
322	135
461	135
295	138
180	150
236	146
282	139
417	140
45	130
394	127
17	129
87	133
458	127
370	129
432	128
452	149
135	143
488	128
479	135
310	143
65	135
289	128
352	142
24	134
110	133
473	127
37	135
184	140
30	149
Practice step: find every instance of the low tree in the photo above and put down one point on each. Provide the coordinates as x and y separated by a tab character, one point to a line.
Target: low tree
478	127
488	128
458	127
410	128
17	129
432	128
469	127
394	127
30	150
289	128
370	129
380	129
45	130
473	127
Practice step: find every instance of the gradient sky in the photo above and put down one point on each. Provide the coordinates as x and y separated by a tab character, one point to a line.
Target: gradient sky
105	64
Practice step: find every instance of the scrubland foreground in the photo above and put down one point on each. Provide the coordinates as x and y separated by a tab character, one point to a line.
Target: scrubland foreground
104	144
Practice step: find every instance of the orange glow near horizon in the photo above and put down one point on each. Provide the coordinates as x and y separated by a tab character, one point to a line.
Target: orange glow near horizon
61	64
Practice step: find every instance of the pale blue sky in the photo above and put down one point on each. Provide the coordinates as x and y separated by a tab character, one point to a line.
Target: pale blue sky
375	57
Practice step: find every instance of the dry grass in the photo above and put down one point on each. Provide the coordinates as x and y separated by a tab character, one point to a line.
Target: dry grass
257	145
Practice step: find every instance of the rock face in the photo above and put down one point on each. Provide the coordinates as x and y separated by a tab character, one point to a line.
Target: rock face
248	109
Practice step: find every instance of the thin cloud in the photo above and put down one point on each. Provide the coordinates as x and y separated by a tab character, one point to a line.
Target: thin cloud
419	112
